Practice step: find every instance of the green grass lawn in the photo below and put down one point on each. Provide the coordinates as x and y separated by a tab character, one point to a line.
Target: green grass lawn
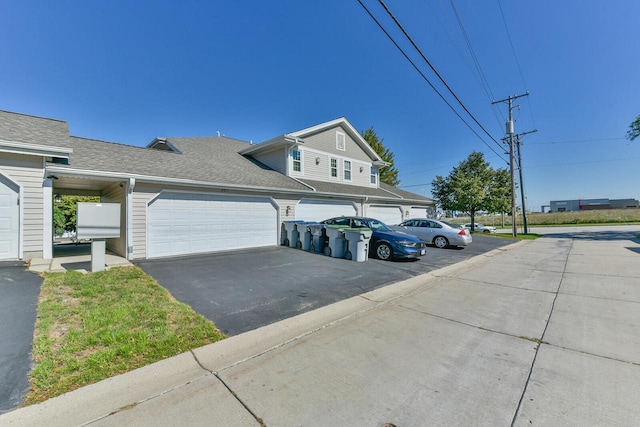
595	217
97	325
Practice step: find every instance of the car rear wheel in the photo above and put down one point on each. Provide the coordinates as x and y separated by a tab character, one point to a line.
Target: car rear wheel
441	242
384	251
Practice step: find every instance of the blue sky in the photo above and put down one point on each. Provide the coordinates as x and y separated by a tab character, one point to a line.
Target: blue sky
130	71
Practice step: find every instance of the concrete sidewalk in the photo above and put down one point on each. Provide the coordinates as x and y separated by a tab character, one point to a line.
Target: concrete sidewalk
73	257
541	332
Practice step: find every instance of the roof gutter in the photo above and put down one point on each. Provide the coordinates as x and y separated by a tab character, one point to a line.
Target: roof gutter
116	176
285	140
34	149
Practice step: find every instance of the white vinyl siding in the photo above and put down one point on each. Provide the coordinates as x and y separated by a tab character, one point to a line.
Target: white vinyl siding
116	194
276	160
326	142
318	209
141	196
28	171
315	165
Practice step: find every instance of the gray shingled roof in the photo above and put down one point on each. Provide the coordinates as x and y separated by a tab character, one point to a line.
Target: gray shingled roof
33	130
373	193
207	159
214	160
407	195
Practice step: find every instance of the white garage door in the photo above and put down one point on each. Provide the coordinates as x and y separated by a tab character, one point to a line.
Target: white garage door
390	215
186	223
318	210
9	219
418	213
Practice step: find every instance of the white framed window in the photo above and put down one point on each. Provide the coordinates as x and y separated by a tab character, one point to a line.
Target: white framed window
347	170
340	141
296	157
334	167
374	175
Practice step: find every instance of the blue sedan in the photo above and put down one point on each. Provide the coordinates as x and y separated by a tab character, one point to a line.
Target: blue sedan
385	243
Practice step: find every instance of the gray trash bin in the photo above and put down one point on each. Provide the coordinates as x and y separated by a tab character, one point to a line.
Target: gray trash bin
358	243
306	235
292	235
337	242
318	238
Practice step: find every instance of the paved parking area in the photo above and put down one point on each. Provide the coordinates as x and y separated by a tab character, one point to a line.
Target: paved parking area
18	304
243	290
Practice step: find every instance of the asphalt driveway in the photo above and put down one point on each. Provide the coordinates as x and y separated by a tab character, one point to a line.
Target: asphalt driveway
19	290
243	290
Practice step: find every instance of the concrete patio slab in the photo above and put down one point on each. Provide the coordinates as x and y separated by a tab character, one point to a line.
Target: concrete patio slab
503	309
569	388
609	265
596	286
514	276
388	365
604	327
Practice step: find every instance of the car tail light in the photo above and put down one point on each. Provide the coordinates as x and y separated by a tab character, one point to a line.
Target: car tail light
462	232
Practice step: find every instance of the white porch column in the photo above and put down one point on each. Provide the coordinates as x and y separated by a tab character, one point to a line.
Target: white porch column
47	219
129	209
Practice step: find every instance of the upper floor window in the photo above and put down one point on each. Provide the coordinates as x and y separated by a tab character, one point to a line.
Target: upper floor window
334	167
297	162
347	170
340	141
374	175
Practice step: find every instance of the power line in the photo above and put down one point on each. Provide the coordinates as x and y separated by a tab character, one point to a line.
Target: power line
427	80
482	79
422	55
513	50
583	163
574	141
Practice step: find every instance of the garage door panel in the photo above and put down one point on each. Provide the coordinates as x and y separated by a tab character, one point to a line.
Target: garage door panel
9	219
390	215
196	223
419	212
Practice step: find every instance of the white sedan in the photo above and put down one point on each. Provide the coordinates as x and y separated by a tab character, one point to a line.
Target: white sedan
438	233
481	227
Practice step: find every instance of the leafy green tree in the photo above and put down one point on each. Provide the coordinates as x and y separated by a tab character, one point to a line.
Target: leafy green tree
473	186
500	192
388	174
634	129
65	212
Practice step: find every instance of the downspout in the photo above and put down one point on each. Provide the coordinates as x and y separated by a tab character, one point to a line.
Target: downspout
129	201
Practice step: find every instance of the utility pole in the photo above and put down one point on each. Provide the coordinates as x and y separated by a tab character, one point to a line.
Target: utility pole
524	209
510	134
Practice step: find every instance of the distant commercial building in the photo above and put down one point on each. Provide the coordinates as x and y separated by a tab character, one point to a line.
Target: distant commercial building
592	204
